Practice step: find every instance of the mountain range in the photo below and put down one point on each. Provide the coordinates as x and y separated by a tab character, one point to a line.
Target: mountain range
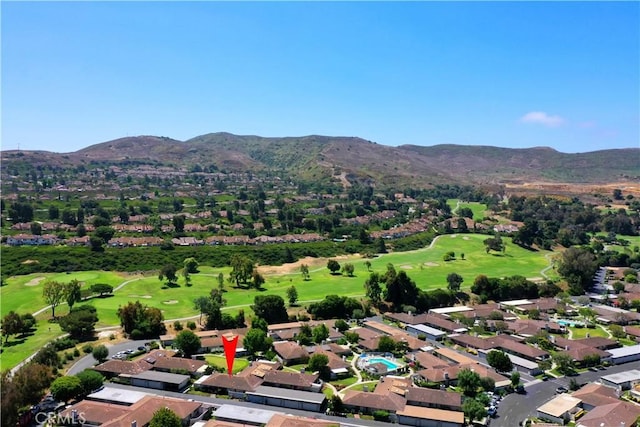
322	157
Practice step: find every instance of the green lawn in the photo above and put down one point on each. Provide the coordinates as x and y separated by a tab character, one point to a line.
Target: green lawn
360	387
425	266
478	209
578	333
24	293
219	361
14	353
345	381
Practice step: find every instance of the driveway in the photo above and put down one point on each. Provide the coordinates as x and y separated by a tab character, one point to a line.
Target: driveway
516	407
88	361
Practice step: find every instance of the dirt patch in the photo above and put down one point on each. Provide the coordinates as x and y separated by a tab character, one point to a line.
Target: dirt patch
35	281
171	301
465	238
453	236
431	264
294	267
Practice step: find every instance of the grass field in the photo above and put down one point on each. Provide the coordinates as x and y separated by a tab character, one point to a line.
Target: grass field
219	361
579	333
425	266
478	209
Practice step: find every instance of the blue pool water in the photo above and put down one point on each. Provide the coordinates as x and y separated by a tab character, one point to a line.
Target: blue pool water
388	363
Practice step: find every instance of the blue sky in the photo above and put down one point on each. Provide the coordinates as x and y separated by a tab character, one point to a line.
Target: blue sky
509	74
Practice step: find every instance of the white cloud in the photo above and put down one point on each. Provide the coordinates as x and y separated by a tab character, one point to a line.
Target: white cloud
542	118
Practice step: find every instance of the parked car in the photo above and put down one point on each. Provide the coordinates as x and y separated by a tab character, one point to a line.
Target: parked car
492	411
561	389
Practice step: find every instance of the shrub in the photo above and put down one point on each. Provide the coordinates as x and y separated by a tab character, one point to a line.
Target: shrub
191	325
87	348
177	325
381	415
137	334
64	343
76	352
68	355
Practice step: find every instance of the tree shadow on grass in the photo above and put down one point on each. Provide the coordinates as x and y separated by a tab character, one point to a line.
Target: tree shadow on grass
170	286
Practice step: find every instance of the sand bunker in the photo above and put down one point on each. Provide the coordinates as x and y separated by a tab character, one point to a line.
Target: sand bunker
35	281
294	267
431	264
465	238
30	261
453	236
141	296
406	267
171	301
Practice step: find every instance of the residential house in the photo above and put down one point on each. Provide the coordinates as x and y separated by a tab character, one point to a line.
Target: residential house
560	409
612	414
290	353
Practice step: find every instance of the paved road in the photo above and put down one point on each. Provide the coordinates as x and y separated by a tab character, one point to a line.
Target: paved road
516	407
88	361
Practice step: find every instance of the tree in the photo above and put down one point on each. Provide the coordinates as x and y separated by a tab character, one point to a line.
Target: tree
473	409
494	244
191	265
104	233
101	289
454	281
335	404
499	361
578	266
271	308
304	269
401	290
187	342
66	388
168	272
367	264
178	223
72	293
341	325
90	380
319	363
320	333
80	321
373	290
53	293
349	269
257	279
203	304
292	295
487	383
141	321
386	344
564	363
100	353
256	341
333	266
617	331
241	269
469	382
11	325
165	417
381	248
515	379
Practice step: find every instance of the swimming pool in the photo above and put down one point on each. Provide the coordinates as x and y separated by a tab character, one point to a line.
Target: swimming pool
391	366
570	323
